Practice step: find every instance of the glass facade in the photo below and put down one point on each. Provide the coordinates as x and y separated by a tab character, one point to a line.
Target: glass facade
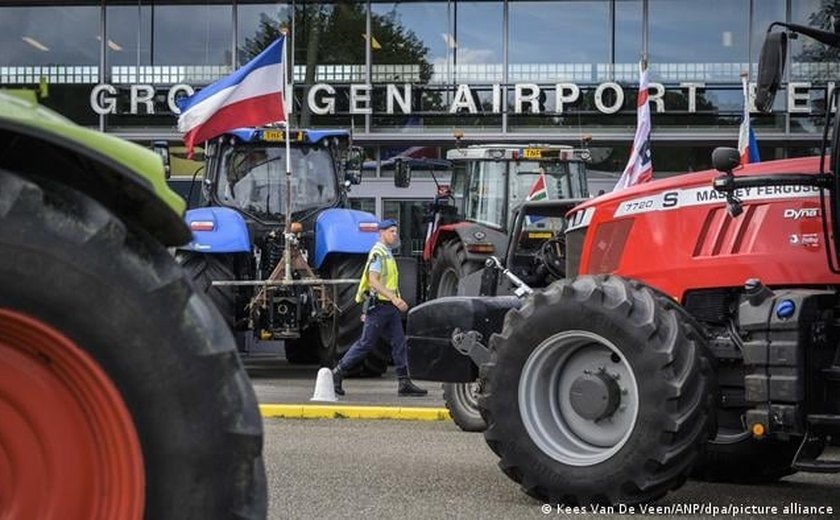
414	74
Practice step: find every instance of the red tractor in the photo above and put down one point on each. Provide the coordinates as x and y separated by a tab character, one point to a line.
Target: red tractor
696	333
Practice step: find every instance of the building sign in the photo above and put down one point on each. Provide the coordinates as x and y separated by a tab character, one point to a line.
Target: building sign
528	98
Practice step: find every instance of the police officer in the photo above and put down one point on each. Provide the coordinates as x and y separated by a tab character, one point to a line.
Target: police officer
380	286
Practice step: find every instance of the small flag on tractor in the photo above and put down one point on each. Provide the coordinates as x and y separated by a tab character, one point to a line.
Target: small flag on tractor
538	191
747	144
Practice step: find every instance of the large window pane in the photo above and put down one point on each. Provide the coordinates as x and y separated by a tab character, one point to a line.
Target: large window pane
764	13
478	42
129	36
413	44
49	35
56	48
628	41
558	41
812	63
811	60
413	41
329	47
160	45
698	41
192	34
258	26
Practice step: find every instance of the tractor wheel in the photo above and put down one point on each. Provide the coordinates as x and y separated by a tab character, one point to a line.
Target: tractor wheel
121	393
306	349
338	334
743	459
598	391
204	269
461	400
450	264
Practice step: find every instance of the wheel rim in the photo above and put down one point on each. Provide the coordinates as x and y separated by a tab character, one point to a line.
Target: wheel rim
578	398
448	284
467	394
67	441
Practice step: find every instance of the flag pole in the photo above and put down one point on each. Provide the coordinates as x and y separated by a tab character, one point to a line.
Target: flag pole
287	251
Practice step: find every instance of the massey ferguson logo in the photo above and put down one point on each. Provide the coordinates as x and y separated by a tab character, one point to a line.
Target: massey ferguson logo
797	214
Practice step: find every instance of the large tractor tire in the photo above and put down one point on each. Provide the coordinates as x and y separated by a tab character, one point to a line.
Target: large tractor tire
598	390
338	334
121	393
204	269
743	459
449	266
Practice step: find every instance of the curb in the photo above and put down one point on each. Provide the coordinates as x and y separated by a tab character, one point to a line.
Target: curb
307	411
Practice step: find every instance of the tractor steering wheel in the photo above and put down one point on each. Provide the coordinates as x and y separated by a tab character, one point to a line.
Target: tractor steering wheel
552	254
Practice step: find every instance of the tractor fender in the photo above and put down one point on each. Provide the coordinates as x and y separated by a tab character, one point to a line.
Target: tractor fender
342	231
217	230
470	234
122	176
431	353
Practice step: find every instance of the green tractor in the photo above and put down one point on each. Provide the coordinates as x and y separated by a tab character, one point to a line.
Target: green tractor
121	392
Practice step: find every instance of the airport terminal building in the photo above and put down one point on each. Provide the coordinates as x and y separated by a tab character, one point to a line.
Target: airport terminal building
416	78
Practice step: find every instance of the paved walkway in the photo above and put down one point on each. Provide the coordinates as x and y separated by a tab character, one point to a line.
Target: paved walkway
277	382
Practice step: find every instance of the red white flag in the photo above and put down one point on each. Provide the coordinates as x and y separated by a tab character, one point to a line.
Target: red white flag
251	96
639	168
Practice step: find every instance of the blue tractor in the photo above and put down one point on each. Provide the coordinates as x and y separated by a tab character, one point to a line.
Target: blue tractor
278	252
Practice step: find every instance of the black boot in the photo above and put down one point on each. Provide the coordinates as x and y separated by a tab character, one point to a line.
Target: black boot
409	389
338	377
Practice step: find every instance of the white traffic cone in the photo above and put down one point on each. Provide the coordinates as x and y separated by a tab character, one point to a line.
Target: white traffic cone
324	389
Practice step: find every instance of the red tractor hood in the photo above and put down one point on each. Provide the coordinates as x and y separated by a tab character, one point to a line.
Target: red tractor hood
676	234
705	177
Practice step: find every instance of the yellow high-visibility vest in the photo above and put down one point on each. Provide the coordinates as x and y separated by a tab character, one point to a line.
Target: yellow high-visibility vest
389	276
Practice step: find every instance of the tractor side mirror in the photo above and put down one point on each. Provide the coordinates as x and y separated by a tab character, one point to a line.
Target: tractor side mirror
402	174
353	165
771	67
725	159
162	149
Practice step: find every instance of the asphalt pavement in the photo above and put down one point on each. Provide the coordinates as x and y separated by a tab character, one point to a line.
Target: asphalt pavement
427	470
339	468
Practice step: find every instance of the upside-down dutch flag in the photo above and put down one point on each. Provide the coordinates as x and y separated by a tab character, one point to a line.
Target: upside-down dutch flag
747	144
639	168
251	96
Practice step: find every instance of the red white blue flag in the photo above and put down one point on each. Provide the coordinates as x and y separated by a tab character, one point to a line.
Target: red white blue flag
251	96
747	144
639	168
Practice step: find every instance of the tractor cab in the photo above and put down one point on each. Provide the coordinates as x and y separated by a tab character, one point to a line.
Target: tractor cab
247	172
490	181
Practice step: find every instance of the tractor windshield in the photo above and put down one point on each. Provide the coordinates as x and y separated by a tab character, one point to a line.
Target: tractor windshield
254	179
563	180
488	191
546	180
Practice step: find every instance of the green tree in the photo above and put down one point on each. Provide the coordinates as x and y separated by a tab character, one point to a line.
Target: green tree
335	34
822	18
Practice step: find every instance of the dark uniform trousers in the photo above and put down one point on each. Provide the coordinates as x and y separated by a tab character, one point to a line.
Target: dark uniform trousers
382	321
